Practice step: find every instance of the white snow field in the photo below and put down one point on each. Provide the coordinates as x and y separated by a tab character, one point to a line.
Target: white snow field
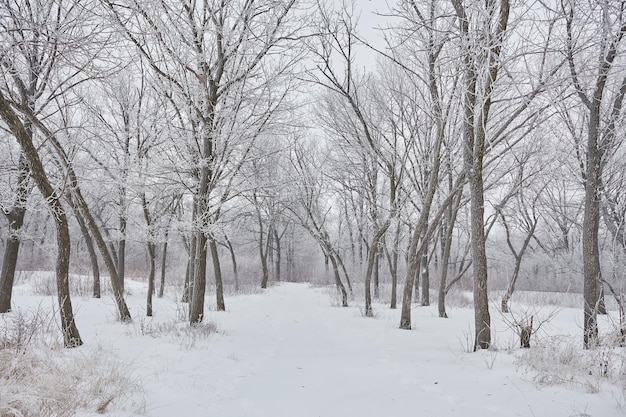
291	352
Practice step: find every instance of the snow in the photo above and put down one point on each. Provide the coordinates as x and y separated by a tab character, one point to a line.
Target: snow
290	351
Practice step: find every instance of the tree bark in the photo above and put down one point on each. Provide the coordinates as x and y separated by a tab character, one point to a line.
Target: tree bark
121	261
377	274
477	105
190	271
151	252
217	269
447	233
591	252
414	255
93	257
163	266
196	310
78	199
9	262
233	259
343	268
392	261
425	300
373	252
186	297
278	254
340	286
15	217
482	318
151	274
202	209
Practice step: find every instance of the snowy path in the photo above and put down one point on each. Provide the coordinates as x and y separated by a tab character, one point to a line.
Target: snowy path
316	365
289	353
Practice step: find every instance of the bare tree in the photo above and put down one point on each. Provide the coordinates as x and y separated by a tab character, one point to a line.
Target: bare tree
526	220
490	19
28	58
601	90
360	116
116	111
313	213
213	69
71	337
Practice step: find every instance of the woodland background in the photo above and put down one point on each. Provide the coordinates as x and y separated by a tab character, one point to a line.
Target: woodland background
440	145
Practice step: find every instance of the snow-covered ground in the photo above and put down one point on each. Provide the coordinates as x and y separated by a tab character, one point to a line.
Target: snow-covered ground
291	351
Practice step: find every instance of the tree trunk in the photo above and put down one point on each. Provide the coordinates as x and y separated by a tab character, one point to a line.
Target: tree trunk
190	271
416	280
233	259
482	318
278	260
394	289
414	255
71	337
591	253
9	263
373	252
164	258
187	285
265	274
340	286
217	269
345	271
163	266
591	222
118	295
152	256
425	276
196	310
392	261
415	248
93	256
448	231
151	252
78	199
200	215
121	262
15	217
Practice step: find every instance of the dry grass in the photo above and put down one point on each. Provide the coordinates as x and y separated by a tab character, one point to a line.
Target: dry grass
42	382
178	332
561	360
38	377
